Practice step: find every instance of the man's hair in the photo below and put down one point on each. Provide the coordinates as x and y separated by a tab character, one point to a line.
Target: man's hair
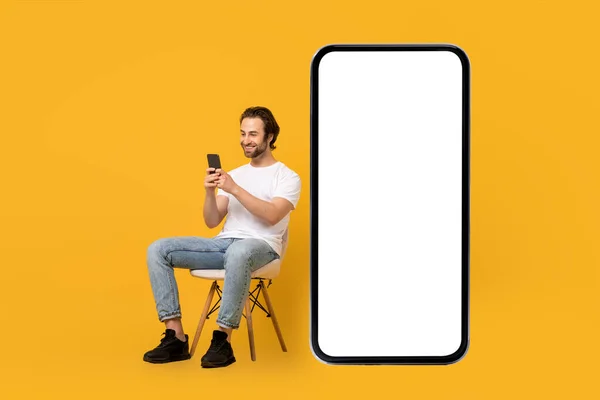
268	120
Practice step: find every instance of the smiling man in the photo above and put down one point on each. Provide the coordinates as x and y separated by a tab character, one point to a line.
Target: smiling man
257	199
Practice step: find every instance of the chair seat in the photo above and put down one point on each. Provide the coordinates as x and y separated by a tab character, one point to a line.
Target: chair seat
268	271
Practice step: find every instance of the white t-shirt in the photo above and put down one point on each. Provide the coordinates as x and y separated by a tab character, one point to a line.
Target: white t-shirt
265	183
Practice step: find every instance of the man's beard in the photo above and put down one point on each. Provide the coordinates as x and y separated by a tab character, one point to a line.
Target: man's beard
258	150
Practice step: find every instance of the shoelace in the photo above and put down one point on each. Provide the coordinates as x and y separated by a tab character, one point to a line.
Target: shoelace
215	345
166	340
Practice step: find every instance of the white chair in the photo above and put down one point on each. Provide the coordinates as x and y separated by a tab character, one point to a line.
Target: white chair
266	272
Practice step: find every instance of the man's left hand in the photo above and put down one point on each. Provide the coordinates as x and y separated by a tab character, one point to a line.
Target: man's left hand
225	182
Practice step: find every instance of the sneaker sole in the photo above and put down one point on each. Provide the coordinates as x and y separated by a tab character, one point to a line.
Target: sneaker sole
175	358
213	365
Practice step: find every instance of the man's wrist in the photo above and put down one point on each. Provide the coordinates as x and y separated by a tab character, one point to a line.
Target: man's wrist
235	191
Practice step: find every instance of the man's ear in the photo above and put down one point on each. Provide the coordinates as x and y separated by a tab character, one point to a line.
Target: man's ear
270	138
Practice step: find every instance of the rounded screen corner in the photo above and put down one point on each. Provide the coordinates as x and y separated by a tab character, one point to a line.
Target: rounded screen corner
319	354
320	53
460	53
460	353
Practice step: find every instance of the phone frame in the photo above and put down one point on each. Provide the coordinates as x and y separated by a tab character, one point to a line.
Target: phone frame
314	206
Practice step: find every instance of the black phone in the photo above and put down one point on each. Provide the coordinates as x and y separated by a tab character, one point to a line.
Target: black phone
214	161
424	297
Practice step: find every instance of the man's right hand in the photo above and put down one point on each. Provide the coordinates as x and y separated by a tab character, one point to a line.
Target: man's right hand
210	179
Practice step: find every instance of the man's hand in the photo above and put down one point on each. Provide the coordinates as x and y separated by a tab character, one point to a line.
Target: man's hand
226	182
210	181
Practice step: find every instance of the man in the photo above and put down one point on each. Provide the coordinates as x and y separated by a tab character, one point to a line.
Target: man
257	199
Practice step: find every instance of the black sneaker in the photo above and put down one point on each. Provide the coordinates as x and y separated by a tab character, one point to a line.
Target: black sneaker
170	349
220	353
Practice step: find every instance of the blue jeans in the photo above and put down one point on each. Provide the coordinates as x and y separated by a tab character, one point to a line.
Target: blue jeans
239	258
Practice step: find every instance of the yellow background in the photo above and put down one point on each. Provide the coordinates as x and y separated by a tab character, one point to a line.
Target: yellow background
108	109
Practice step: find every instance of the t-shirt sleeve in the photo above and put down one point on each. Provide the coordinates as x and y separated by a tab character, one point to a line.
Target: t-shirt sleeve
288	187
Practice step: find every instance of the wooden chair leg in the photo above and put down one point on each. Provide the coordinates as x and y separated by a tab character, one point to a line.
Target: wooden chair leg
250	329
273	317
211	294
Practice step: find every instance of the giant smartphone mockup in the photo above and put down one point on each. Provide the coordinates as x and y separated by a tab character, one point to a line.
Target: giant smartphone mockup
390	204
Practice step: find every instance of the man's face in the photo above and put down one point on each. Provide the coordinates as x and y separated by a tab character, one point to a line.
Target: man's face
252	139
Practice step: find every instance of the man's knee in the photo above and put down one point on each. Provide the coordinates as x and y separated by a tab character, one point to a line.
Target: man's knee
238	254
156	249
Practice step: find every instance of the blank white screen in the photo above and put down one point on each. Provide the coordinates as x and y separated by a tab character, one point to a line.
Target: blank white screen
390	158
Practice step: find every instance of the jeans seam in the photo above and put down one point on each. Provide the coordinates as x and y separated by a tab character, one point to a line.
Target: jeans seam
172	293
168	253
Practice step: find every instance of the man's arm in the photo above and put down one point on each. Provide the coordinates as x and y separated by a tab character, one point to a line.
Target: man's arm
215	207
270	212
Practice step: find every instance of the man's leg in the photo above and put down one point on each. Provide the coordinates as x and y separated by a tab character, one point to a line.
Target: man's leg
163	255
241	259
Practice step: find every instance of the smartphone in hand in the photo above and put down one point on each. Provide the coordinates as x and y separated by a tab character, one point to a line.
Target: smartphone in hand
214	161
